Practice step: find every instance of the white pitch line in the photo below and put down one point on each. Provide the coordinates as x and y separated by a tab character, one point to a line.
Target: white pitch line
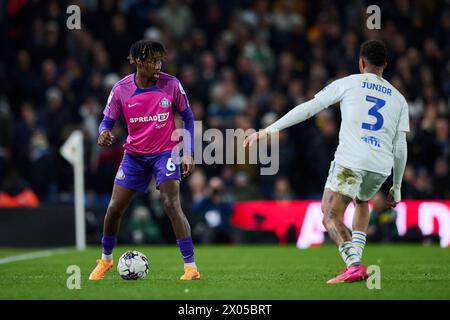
32	255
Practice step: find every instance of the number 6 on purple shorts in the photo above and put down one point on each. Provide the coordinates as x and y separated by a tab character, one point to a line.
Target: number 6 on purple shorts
136	172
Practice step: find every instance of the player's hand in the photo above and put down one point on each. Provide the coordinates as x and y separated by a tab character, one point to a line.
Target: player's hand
261	134
187	165
105	139
393	197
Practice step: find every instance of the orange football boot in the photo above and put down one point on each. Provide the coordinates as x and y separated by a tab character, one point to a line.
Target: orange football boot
102	267
190	274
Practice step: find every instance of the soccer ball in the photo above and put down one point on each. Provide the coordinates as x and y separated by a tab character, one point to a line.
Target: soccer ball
133	265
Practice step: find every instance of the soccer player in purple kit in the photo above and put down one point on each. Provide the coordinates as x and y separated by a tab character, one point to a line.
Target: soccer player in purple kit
146	98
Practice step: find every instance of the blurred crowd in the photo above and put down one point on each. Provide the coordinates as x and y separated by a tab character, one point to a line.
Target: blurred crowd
243	64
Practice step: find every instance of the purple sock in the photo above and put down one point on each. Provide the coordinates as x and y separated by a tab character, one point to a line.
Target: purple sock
108	243
187	249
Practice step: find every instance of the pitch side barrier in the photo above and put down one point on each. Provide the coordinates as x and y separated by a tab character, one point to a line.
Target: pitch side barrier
428	217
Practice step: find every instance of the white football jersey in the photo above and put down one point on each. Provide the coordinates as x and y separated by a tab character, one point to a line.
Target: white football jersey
372	112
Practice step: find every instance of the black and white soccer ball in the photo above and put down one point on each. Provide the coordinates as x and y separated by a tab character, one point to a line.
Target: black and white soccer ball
133	265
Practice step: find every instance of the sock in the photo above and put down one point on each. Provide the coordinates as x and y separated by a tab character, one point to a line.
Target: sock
359	242
107	257
108	243
349	255
187	251
191	264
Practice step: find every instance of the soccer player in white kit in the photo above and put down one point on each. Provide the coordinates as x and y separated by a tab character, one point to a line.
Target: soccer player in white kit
372	141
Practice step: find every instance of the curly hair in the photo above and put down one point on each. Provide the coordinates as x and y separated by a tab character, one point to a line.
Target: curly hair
144	51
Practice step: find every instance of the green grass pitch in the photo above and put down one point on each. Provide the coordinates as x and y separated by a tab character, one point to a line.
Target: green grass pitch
234	272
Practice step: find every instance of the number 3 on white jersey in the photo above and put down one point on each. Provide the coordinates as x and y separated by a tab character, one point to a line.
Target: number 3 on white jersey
379	103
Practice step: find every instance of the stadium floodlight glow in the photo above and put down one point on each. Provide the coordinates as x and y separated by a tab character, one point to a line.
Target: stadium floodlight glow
72	151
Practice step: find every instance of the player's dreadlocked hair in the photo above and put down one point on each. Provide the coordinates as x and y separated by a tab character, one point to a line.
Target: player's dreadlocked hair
143	51
374	51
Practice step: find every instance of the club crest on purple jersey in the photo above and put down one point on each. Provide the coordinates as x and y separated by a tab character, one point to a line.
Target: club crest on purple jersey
165	103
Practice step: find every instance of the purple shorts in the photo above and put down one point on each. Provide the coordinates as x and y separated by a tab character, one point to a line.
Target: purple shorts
135	172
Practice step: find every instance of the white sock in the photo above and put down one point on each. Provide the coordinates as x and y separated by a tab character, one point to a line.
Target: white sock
359	242
191	264
348	254
107	257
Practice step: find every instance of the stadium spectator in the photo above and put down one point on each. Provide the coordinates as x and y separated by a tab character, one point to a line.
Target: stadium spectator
176	17
323	144
6	135
441	180
144	229
214	215
382	225
282	190
243	189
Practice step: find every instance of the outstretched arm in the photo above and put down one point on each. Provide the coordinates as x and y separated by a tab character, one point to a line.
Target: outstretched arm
400	156
298	114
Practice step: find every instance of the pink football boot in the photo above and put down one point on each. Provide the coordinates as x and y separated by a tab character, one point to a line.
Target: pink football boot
351	274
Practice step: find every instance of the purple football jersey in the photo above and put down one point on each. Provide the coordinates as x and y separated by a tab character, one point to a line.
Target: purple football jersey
148	112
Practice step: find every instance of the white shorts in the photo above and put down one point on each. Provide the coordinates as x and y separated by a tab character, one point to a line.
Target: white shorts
354	183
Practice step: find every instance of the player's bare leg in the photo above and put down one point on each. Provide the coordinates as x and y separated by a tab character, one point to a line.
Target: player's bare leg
361	217
333	208
359	226
170	197
119	202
